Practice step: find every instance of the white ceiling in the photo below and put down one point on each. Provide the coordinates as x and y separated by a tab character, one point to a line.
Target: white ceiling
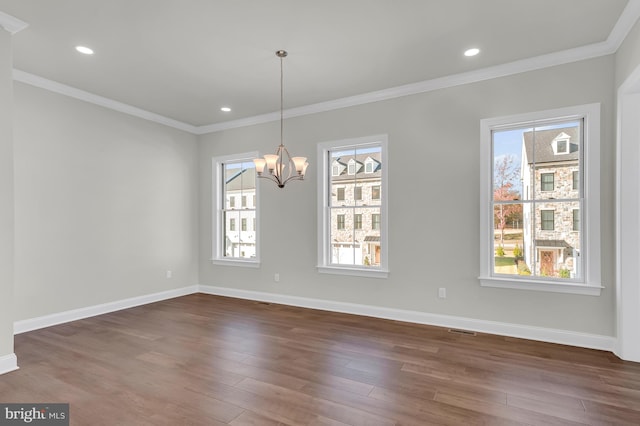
185	59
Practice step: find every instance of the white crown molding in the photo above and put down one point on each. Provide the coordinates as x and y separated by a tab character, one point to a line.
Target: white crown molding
242	122
11	23
625	22
564	337
63	89
90	311
8	363
517	67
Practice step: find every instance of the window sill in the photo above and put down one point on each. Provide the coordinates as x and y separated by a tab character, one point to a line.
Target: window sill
357	272
541	285
237	262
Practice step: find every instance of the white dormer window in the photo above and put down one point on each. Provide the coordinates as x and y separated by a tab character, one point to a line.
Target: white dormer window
370	165
337	168
353	167
561	144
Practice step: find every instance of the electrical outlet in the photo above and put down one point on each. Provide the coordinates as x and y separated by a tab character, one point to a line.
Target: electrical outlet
442	293
169	274
276	277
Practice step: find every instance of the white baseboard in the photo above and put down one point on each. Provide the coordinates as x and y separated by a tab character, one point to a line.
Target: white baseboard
550	335
90	311
564	337
8	363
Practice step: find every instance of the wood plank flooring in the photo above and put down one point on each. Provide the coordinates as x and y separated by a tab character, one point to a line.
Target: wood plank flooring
208	360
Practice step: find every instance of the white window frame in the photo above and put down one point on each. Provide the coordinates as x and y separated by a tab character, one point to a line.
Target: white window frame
324	216
590	216
218	257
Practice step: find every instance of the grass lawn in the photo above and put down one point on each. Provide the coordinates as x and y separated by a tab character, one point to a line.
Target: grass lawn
504	261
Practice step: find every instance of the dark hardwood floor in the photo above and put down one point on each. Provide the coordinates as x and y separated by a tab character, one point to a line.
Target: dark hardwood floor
207	360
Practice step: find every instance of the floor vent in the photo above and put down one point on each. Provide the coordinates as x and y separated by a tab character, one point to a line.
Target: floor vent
464	332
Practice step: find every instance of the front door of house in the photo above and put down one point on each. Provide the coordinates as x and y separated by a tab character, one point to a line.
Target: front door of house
547	262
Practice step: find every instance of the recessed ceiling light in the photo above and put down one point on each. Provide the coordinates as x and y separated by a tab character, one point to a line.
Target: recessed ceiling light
471	52
85	50
225	109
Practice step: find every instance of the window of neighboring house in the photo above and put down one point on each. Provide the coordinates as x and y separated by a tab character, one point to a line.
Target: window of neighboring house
517	213
357	221
234	177
546	181
562	146
375	192
357	193
348	242
547	220
375	221
368	167
335	170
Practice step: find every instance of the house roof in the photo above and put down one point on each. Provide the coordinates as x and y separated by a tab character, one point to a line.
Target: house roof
361	175
552	244
543	151
237	179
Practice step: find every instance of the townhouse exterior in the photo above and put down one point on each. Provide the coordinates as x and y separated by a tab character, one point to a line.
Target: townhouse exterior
240	210
355	208
550	174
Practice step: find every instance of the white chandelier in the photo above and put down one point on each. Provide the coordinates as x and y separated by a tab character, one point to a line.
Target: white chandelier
281	167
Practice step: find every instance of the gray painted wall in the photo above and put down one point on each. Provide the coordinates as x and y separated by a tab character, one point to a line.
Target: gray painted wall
6	196
105	204
434	229
628	55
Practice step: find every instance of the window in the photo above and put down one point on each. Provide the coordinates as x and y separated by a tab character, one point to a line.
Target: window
352	230
375	192
546	181
375	221
234	177
368	167
357	221
547	220
531	237
562	146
